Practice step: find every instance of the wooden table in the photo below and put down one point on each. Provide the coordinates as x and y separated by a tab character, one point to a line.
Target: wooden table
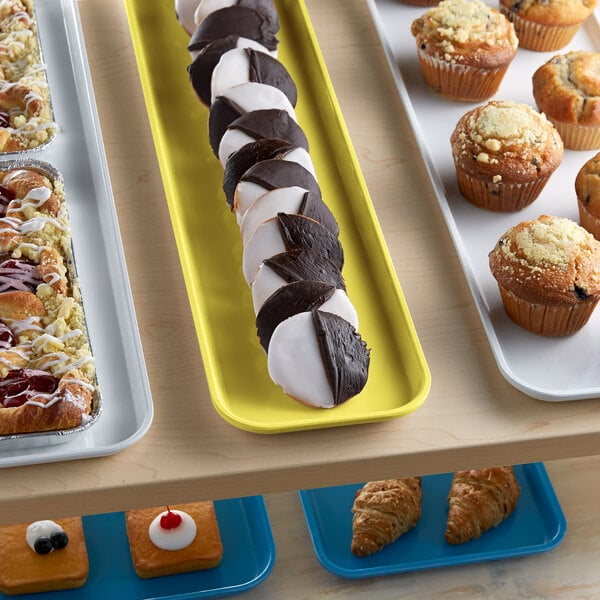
472	417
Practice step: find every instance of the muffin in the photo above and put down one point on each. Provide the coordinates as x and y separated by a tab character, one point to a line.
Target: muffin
464	49
546	25
587	188
548	274
504	152
567	89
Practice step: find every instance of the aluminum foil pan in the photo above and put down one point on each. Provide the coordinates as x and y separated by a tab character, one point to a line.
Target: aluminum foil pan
47	438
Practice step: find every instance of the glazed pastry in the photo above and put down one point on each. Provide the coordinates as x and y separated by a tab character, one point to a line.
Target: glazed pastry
289	232
260	124
287	267
244	65
480	499
290	200
180	539
26	119
318	358
383	511
47	373
43	556
250	154
269	175
235	20
239	100
302	296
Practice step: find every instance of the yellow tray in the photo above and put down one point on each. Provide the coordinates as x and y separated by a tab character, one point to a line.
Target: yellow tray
209	245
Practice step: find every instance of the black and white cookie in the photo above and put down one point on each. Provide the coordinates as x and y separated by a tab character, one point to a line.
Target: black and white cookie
265	7
318	358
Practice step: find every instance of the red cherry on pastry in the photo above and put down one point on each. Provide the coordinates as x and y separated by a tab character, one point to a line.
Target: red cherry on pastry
170	520
7	338
22	384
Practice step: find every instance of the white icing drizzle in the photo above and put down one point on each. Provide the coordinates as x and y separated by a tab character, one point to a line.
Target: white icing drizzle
173	539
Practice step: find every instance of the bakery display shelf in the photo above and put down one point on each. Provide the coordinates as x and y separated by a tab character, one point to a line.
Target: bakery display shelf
544	368
209	246
77	153
536	525
248	558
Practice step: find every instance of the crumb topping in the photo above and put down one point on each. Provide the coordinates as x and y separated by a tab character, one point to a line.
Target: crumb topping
454	24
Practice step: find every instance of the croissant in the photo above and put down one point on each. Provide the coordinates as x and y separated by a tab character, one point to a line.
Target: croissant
383	511
479	499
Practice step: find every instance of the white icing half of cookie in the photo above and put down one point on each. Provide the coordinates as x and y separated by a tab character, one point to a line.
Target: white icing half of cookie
295	364
252	96
185	10
173	539
206	7
286	200
265	283
232	69
266	241
302	157
339	304
232	141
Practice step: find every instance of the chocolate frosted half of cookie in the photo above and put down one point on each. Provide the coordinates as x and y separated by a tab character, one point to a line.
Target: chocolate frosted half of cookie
289	232
302	296
290	200
269	175
250	154
235	20
243	65
260	124
265	7
318	358
207	58
239	100
290	266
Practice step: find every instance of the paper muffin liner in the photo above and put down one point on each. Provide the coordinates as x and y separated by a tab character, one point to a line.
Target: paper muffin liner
587	220
578	137
541	38
500	196
460	82
547	320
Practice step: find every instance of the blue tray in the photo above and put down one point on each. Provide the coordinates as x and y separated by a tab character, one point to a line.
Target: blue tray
537	525
248	557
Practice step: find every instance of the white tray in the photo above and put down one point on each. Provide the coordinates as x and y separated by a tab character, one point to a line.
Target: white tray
545	368
78	154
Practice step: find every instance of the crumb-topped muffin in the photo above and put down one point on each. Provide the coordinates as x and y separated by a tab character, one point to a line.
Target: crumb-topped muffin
504	153
567	89
546	25
587	188
548	274
464	48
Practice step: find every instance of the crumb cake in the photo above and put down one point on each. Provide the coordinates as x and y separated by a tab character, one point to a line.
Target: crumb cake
43	556
567	89
504	153
47	372
548	274
26	118
178	539
546	25
464	48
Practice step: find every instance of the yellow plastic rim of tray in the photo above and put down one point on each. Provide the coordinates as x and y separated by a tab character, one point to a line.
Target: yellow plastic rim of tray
209	242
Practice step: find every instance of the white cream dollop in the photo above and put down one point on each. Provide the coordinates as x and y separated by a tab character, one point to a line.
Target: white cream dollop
173	539
39	529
